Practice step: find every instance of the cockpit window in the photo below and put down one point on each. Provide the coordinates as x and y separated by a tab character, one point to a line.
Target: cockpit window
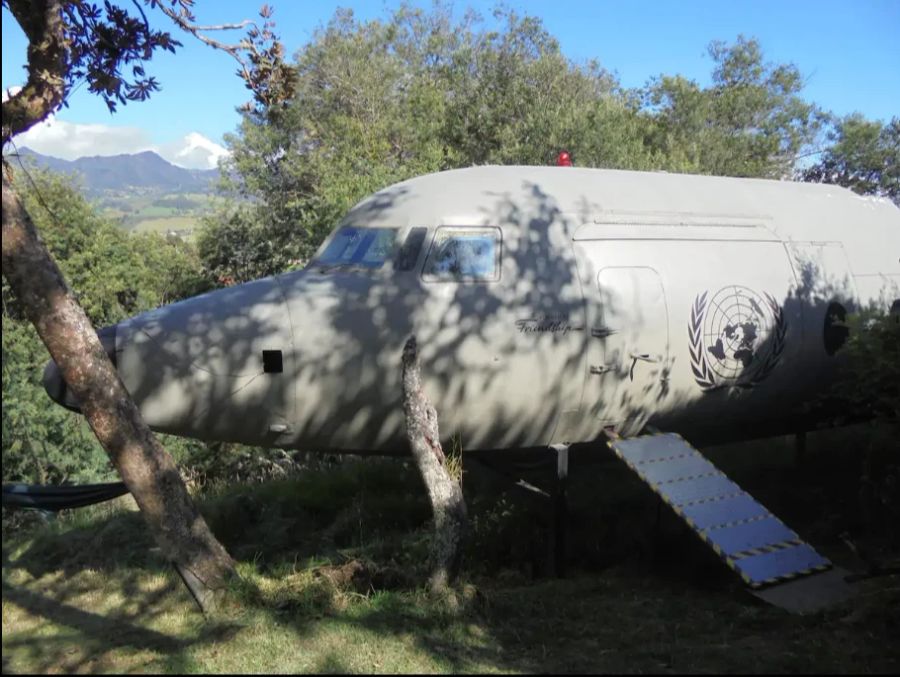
358	247
459	253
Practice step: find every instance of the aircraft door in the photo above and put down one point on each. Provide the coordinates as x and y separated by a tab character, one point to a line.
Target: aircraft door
628	358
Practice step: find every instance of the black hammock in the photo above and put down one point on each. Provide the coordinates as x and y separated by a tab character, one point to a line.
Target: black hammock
59	497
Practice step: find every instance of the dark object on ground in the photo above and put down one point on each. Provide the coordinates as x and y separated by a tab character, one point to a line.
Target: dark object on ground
60	497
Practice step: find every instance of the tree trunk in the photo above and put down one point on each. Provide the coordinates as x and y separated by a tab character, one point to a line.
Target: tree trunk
450	518
146	468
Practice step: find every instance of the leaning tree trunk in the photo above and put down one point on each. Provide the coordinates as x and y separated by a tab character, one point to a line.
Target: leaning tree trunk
146	468
445	493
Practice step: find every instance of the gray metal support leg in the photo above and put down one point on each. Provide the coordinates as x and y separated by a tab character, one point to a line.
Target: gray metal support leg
561	508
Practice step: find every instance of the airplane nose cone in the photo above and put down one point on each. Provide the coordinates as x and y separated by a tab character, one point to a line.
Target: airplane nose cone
56	386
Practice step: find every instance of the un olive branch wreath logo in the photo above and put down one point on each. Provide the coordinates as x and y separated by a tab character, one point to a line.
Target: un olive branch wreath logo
699	364
704	374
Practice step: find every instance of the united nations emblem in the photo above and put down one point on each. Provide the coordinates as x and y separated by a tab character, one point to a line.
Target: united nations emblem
736	337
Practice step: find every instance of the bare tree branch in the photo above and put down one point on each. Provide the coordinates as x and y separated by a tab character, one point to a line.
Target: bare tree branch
260	55
184	20
225	27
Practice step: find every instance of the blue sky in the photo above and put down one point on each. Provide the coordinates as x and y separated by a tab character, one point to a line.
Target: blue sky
849	52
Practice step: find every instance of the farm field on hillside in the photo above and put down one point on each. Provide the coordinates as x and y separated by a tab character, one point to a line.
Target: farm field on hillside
153	212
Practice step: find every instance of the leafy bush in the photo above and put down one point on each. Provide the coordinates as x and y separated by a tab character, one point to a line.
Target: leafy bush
869	383
114	275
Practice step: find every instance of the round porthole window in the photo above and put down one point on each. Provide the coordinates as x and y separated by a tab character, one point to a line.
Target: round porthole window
836	330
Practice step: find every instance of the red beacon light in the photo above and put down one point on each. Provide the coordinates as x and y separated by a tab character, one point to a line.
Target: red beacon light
564	159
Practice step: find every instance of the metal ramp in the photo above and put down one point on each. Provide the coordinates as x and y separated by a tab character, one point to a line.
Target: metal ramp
751	540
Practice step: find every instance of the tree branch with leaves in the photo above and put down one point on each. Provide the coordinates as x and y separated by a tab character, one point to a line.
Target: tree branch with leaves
70	41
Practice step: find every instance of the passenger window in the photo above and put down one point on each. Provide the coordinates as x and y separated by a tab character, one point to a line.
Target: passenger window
459	253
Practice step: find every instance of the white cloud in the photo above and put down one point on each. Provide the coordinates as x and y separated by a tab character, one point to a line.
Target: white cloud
70	141
193	151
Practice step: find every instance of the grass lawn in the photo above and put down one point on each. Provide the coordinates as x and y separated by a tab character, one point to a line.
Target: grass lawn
331	562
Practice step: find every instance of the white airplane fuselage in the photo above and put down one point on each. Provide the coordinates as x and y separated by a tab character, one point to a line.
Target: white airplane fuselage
549	303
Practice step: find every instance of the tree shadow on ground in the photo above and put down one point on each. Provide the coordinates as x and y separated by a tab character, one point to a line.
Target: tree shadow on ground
644	594
97	640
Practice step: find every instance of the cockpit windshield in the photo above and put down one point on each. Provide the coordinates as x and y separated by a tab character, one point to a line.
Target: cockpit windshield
358	247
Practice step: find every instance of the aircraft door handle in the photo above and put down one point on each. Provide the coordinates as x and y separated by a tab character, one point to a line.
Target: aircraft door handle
602	332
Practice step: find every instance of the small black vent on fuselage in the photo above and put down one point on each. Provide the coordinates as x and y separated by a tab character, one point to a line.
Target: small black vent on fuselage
272	362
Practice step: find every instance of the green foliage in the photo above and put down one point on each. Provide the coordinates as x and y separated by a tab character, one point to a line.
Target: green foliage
864	156
41	443
869	385
238	245
208	465
750	122
114	275
334	559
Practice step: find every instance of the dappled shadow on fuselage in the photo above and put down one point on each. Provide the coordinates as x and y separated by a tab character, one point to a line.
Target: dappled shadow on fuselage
496	385
507	363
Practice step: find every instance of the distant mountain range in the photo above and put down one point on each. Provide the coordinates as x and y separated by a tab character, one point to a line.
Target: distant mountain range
147	172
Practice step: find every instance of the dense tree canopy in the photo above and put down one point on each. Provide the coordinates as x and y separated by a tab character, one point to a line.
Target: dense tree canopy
752	121
864	156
